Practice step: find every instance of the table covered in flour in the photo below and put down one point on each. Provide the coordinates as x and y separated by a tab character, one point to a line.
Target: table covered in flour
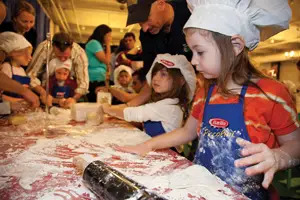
38	166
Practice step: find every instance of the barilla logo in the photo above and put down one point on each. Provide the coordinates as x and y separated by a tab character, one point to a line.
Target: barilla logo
218	123
167	63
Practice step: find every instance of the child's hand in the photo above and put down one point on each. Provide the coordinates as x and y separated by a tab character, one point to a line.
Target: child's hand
46	100
260	159
67	103
140	149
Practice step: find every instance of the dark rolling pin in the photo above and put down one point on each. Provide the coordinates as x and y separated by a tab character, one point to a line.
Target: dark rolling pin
110	184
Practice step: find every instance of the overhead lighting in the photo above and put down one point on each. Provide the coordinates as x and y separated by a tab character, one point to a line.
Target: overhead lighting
83	28
286	54
292	53
272	41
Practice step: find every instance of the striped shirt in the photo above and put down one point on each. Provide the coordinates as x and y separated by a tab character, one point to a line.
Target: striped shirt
79	66
264	118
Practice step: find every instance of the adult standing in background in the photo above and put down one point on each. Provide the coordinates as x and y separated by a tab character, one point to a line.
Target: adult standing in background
10	85
62	48
99	54
23	20
161	24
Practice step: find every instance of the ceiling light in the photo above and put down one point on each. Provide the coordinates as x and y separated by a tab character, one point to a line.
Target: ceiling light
292	53
272	41
286	54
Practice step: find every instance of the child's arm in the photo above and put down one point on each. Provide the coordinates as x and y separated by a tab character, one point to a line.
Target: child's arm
121	95
268	161
116	111
142	97
177	137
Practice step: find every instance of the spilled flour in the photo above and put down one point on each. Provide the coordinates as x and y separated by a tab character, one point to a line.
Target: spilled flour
45	170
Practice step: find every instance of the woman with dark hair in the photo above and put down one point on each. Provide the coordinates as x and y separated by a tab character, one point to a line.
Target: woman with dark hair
23	20
99	53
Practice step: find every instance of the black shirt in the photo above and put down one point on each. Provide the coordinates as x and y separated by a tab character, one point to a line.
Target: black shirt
172	42
31	35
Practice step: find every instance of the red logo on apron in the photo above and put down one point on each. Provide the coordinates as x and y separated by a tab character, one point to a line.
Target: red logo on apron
167	63
218	123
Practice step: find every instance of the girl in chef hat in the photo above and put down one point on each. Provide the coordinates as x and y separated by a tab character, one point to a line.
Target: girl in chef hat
18	53
246	122
173	82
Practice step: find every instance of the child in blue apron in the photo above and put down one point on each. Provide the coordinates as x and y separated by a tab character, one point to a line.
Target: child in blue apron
246	122
18	51
61	86
173	82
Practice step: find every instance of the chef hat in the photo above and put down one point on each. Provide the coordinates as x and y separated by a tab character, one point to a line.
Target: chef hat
55	64
118	70
179	62
10	41
252	19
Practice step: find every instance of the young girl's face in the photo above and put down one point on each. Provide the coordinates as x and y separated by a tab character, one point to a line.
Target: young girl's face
206	54
22	57
124	78
61	74
162	82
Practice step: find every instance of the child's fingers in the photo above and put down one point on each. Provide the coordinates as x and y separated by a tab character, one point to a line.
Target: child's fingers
242	142
268	177
249	160
259	168
253	149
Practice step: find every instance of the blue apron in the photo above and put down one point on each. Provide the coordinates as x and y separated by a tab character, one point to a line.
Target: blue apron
153	128
61	91
217	149
21	79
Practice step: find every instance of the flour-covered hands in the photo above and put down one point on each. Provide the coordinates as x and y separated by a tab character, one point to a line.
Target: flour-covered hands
259	158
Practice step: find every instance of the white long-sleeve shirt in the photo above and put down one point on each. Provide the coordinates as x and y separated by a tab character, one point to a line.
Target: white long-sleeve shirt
167	111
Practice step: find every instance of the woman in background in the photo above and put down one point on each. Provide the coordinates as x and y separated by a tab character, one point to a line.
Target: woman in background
23	20
98	52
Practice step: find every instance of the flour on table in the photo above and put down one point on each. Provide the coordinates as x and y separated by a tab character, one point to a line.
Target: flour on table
53	157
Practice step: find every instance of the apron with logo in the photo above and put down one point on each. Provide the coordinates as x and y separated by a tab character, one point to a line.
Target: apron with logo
217	149
24	80
60	92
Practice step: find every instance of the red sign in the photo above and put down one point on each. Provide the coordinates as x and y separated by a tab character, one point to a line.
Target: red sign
167	63
218	123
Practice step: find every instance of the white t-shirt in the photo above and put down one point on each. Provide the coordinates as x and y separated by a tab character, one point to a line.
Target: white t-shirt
167	111
7	69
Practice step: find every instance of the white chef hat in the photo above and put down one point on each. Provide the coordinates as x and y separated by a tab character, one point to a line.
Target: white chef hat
10	41
55	64
179	62
118	70
254	20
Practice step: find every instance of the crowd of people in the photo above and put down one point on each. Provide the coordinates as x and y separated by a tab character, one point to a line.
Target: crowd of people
240	141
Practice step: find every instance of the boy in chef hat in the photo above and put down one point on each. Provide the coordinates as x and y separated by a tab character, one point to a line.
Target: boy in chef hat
246	122
61	86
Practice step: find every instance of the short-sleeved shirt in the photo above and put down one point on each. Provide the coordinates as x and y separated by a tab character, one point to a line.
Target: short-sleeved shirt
172	42
264	118
9	70
31	35
97	69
